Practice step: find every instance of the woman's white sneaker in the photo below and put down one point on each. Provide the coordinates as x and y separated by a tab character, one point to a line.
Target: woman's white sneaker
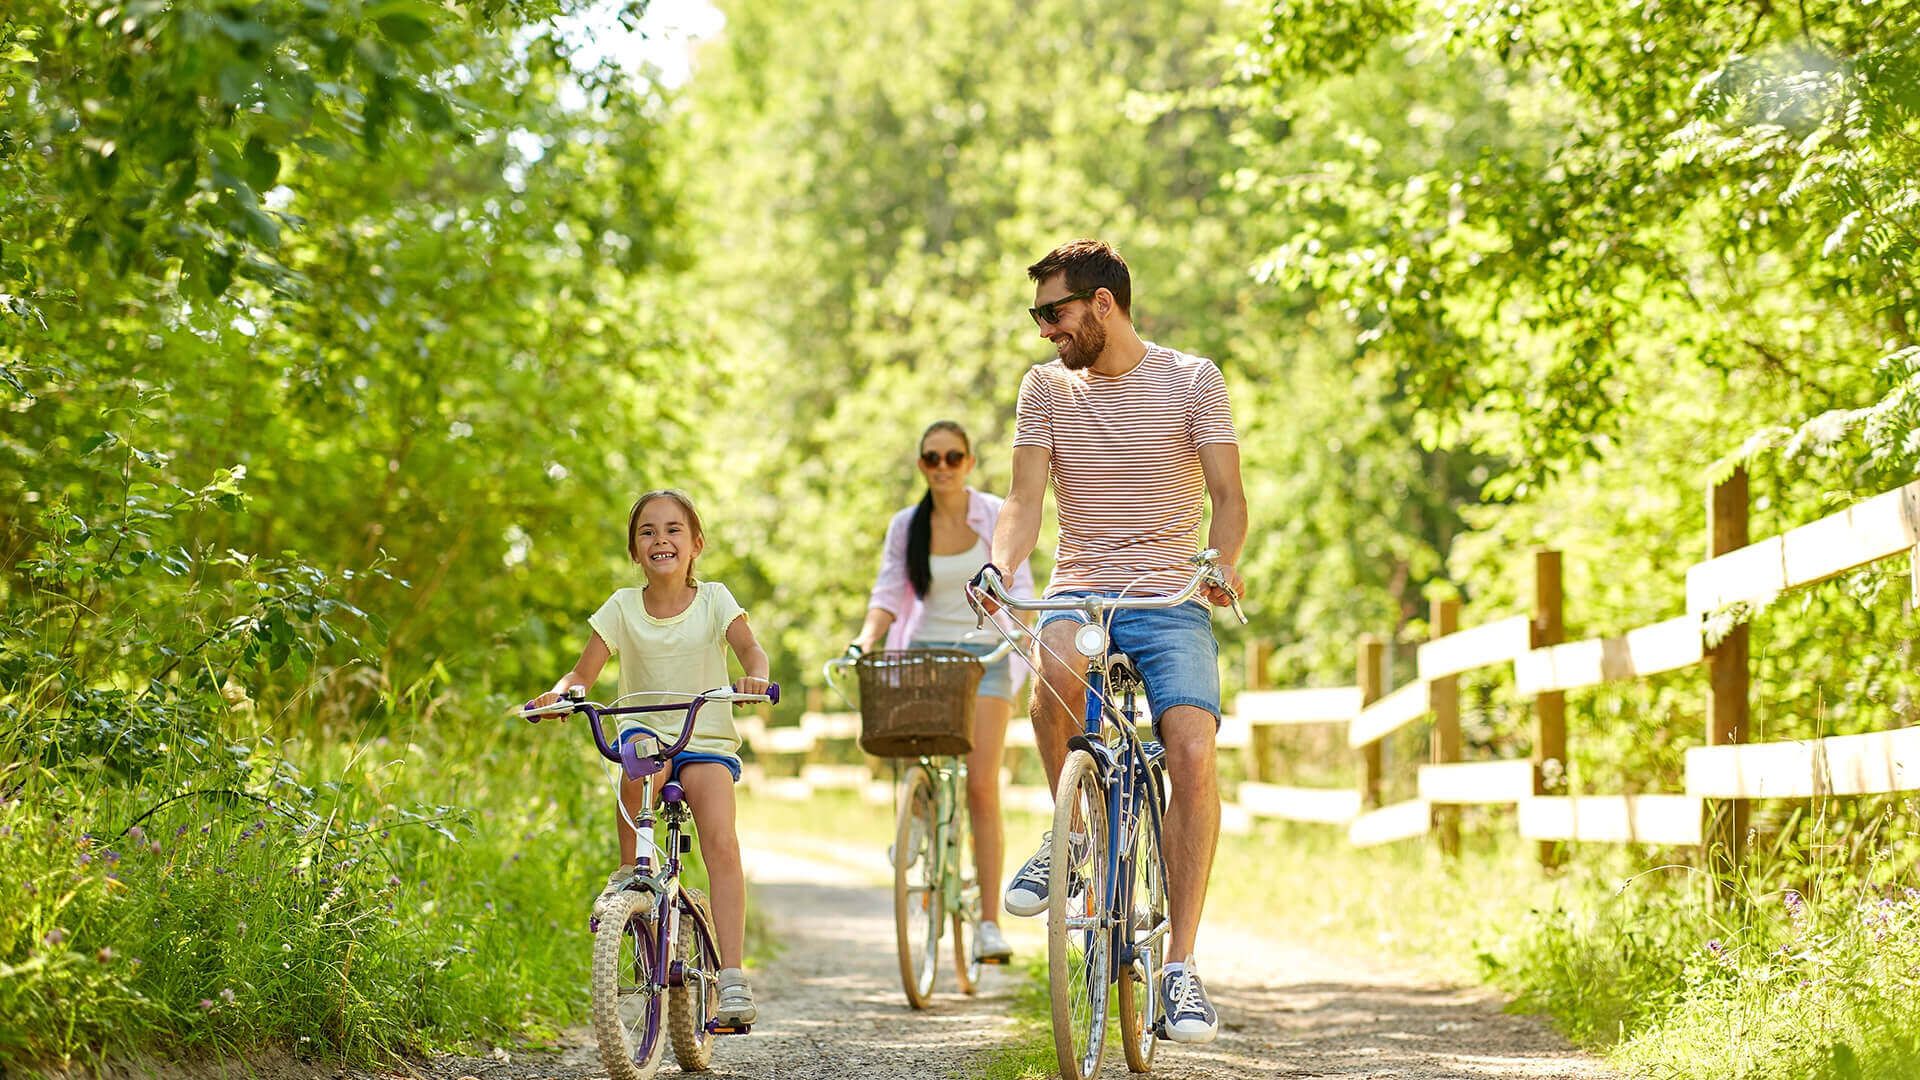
989	947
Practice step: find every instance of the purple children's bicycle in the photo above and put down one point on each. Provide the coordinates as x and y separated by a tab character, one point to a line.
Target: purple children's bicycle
656	960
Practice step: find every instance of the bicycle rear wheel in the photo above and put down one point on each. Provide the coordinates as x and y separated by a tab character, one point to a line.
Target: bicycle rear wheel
627	984
1079	959
966	967
1148	929
966	920
695	993
917	904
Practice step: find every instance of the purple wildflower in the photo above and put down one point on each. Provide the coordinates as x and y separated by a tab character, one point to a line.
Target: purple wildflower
105	955
227	995
154	847
1714	947
84	859
1796	904
55	936
136	834
206	1004
111	856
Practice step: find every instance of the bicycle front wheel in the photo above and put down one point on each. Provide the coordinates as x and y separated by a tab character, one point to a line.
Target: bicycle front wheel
917	904
1148	929
627	986
695	993
1079	957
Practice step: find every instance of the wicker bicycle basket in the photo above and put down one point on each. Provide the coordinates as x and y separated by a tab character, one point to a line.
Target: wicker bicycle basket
917	702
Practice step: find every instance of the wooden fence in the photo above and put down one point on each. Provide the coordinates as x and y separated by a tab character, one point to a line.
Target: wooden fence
1722	774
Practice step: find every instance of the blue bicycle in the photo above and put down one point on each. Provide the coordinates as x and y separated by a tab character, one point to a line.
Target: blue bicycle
1107	923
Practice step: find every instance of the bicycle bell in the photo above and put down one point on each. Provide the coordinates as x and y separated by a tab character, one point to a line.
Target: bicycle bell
1090	640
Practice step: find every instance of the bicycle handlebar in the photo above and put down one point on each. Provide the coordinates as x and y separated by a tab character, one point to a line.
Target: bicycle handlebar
576	702
1208	573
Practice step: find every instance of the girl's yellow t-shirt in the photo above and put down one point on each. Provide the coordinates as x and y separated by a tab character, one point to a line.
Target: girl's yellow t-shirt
685	654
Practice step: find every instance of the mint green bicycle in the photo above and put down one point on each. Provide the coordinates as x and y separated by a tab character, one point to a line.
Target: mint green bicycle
916	707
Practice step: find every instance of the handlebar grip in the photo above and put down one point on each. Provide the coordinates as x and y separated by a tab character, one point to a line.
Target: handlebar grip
773	693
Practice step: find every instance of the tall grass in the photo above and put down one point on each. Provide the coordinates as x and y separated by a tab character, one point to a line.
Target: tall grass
351	897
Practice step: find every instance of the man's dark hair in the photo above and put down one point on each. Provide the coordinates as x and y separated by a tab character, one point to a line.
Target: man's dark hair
1088	264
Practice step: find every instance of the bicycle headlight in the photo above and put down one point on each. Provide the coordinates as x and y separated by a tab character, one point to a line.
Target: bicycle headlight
1090	640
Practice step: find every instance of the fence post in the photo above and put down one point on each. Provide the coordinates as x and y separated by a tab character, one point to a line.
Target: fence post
1444	694
1367	674
1549	709
1725	837
1260	737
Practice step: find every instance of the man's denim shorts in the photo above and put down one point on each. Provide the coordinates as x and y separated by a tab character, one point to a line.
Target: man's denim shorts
1174	649
997	682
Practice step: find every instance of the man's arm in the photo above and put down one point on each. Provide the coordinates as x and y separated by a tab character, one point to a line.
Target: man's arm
1228	531
1018	529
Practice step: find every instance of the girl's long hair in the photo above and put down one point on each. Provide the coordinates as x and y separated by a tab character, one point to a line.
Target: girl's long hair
693	522
920	528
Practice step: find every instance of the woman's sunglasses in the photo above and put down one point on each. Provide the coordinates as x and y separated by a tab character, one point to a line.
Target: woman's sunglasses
931	458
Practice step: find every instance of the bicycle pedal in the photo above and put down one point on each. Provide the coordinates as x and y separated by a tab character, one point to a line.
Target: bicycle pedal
714	1027
996	961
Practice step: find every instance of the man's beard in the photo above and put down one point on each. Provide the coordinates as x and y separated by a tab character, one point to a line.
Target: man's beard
1084	346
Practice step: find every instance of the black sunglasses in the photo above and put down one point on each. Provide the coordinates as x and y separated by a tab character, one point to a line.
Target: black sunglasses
931	458
1049	312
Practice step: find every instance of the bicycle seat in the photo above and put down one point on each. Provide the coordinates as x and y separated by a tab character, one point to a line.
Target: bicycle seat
1122	675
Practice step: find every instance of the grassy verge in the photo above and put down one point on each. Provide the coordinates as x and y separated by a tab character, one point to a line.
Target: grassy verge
1029	1054
357	897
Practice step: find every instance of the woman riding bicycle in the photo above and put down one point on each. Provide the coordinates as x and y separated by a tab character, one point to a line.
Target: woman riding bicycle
919	601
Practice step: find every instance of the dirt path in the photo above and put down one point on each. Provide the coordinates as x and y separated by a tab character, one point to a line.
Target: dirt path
831	1006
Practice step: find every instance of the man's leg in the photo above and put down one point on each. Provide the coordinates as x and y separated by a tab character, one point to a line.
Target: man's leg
1058	693
1178	657
1192	827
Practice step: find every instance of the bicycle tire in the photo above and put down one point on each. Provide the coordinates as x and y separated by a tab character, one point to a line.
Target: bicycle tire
966	919
967	968
917	903
696	998
1146	913
1079	957
626	998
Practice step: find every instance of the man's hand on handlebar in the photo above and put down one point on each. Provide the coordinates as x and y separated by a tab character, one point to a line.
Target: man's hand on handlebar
1235	589
977	593
747	684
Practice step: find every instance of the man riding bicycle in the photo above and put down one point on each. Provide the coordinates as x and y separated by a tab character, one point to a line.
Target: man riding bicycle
1131	435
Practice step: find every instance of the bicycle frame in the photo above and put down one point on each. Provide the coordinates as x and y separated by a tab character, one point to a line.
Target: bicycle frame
1126	765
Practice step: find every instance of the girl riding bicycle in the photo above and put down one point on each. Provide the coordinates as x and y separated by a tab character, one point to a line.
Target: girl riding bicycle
673	634
919	601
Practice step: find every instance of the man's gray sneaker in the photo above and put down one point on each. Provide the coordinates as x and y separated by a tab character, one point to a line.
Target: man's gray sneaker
1190	1016
1026	893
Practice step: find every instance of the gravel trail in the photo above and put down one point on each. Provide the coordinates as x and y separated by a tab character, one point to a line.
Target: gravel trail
831	1005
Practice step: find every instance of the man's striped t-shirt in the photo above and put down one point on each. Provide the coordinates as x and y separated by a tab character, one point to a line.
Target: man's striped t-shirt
1127	481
